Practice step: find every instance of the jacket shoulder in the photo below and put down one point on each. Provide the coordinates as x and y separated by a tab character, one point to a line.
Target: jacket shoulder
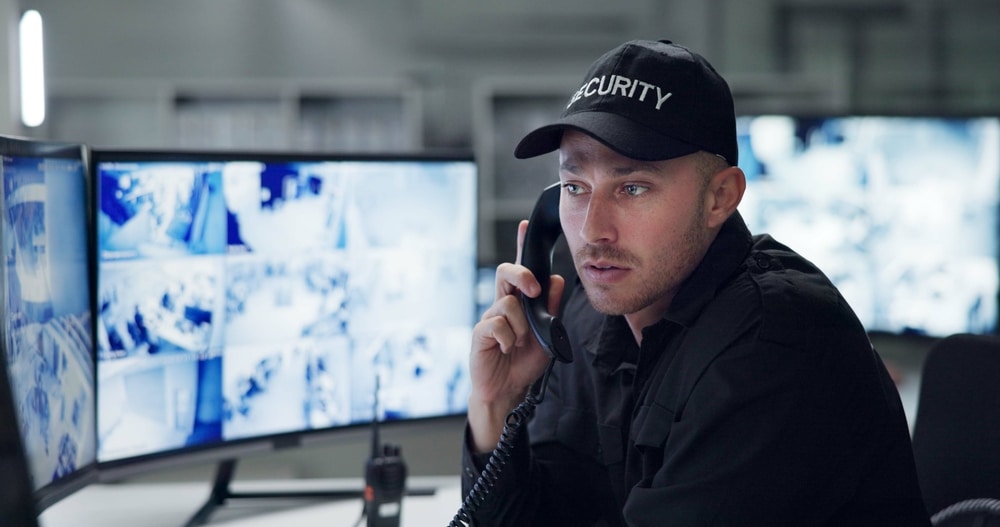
798	302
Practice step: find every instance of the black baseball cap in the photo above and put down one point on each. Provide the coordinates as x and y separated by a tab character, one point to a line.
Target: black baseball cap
647	100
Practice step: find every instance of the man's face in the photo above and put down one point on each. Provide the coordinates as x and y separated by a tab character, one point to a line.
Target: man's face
636	229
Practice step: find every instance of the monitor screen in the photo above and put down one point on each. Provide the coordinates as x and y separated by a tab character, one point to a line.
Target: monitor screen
900	212
252	296
47	323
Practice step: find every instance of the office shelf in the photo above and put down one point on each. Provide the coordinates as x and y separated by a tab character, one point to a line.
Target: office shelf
358	116
504	111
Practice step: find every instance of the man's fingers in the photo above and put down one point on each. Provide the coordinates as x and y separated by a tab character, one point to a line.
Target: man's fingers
495	329
512	278
522	228
557	284
506	323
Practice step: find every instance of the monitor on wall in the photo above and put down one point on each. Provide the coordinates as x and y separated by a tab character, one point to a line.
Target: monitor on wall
249	301
901	212
46	308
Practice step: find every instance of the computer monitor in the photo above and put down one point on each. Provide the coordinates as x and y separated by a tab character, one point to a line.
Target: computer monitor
250	301
901	212
46	307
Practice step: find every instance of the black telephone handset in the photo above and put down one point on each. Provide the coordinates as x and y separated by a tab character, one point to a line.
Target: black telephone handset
536	254
544	230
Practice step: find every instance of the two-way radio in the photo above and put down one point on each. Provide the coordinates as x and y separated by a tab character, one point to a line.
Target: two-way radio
385	478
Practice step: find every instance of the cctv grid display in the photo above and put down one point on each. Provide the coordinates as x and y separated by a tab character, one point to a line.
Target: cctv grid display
47	324
247	297
900	212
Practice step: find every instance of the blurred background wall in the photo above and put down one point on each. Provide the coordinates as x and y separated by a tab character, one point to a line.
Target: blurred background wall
850	55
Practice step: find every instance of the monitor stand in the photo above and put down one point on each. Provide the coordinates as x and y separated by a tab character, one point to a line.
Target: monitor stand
221	493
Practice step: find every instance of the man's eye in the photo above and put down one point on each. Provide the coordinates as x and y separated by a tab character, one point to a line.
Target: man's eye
572	188
634	190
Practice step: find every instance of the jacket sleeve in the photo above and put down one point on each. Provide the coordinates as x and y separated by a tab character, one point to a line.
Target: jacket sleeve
502	497
549	479
541	484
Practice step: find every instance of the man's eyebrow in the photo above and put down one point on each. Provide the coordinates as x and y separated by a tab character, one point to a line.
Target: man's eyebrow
636	166
569	164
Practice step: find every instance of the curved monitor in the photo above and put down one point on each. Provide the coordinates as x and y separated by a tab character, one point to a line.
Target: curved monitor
46	307
246	301
901	212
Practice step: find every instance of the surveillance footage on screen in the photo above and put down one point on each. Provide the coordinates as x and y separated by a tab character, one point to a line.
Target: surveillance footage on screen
244	298
47	323
900	212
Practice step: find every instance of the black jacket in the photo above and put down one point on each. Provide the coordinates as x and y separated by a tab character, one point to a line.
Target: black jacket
756	400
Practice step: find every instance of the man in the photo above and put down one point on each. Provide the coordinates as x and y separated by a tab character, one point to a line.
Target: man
717	378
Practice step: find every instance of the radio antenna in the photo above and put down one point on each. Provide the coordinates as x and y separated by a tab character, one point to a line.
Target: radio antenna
376	441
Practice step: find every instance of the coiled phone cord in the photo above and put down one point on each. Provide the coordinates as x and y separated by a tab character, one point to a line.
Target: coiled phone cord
501	454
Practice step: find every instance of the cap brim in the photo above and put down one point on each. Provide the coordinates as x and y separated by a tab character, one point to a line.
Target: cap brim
616	132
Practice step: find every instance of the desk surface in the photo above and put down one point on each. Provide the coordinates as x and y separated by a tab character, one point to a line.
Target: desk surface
172	504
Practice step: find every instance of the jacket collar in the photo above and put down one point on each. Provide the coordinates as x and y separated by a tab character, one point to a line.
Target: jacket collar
723	258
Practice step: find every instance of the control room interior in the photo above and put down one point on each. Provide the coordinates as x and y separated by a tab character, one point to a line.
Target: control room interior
429	75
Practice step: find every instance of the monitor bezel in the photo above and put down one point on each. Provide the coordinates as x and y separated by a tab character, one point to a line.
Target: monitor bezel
18	502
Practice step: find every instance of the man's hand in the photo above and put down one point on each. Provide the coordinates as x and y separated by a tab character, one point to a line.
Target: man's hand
506	358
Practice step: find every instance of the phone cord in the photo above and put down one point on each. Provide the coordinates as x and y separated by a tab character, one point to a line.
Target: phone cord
501	454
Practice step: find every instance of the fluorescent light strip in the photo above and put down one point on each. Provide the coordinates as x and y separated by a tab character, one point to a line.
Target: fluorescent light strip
32	69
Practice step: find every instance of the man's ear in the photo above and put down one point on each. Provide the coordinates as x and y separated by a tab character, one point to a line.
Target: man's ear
725	191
